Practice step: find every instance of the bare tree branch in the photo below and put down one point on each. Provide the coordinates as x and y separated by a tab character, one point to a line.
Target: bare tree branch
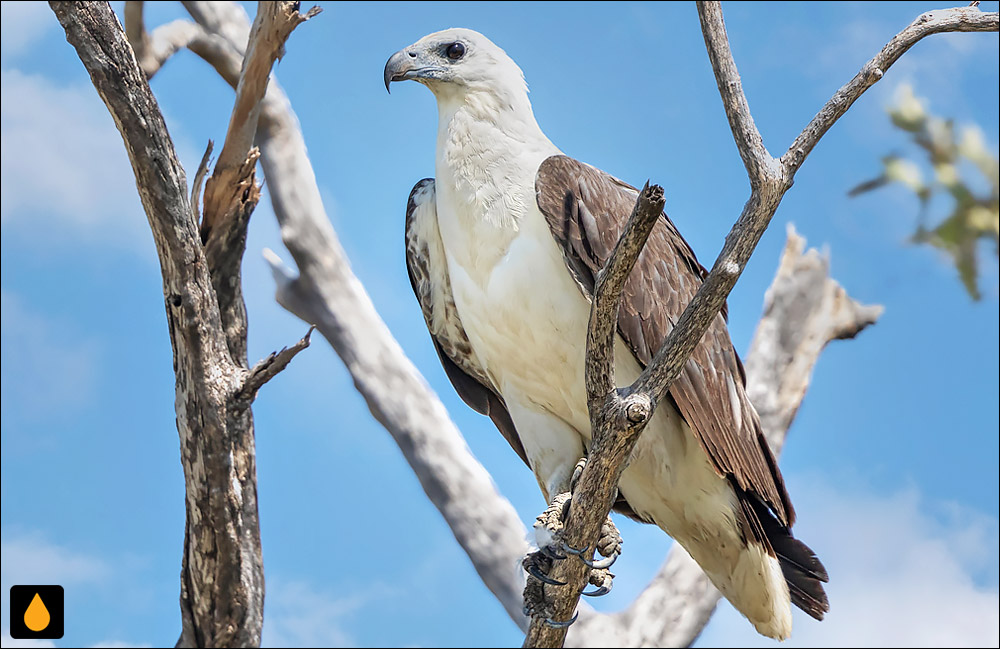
756	159
222	587
271	28
614	432
603	325
804	309
268	368
231	193
958	19
153	51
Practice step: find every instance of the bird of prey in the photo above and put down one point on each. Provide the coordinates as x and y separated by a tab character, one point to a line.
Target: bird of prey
503	246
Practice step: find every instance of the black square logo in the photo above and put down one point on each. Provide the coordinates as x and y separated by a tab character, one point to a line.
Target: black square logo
36	612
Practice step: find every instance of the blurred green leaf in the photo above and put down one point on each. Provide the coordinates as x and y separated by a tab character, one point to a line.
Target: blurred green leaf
975	217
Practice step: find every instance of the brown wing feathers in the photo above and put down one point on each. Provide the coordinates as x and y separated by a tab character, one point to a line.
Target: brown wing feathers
586	210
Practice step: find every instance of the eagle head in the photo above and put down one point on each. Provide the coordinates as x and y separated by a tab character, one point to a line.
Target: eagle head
456	61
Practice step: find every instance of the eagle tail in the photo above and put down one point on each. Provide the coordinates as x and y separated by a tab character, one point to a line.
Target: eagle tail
800	566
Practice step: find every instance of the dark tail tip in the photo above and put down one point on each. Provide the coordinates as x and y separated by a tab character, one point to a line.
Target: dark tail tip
805	575
801	567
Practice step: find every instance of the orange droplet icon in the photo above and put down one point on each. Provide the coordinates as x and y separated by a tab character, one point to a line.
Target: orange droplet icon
37	616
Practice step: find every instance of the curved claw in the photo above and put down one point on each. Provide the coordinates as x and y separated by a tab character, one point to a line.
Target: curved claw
600	592
551	553
603	563
562	625
545	579
567	548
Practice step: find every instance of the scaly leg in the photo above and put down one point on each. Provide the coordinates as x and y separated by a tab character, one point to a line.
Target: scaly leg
548	532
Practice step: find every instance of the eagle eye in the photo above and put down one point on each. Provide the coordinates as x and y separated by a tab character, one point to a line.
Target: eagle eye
455	51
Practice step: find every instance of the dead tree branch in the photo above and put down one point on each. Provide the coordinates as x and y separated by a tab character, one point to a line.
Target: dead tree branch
615	432
152	51
231	193
804	309
222	582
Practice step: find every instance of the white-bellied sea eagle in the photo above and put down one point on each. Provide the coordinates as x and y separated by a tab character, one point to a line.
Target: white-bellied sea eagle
503	246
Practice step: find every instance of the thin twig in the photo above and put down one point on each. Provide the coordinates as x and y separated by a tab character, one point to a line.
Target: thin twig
958	19
602	327
268	368
199	178
751	146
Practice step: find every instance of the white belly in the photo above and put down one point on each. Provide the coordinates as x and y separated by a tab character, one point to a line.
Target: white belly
527	322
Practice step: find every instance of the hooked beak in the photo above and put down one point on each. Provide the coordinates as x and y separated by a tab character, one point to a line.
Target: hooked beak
406	64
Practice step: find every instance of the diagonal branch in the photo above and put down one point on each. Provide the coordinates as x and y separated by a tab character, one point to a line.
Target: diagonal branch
804	310
751	146
958	19
603	325
232	193
268	368
273	25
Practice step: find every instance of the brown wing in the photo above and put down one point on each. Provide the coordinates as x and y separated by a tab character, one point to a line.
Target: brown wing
586	210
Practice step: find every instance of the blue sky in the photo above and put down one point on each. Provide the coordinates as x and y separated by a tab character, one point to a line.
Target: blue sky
892	462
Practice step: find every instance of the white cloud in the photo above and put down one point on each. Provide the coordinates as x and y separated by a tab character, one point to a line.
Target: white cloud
29	558
903	572
23	24
65	172
46	368
7	641
298	615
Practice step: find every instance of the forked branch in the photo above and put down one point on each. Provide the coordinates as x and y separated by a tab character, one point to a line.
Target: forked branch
613	433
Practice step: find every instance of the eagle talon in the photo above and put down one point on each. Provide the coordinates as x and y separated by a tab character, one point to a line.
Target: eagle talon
604	581
542	577
568	549
562	625
602	564
577	473
600	592
551	553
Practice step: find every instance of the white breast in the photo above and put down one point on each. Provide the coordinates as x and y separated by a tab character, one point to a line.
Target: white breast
527	320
